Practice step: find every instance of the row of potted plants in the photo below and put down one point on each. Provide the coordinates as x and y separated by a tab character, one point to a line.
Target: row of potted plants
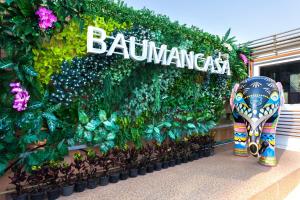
90	169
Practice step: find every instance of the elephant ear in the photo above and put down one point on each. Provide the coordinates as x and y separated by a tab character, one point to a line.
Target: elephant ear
281	94
232	96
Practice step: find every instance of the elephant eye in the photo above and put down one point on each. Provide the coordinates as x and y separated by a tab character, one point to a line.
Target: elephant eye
239	96
274	96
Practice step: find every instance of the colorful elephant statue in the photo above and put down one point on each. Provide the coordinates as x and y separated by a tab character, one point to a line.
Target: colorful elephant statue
255	104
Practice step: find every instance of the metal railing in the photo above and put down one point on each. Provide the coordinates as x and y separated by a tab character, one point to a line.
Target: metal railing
276	44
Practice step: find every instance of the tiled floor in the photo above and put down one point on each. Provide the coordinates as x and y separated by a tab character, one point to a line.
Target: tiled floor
222	176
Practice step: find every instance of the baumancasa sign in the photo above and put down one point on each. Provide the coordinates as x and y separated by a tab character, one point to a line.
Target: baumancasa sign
150	53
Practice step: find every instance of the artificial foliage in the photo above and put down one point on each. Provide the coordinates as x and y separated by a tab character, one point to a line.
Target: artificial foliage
54	95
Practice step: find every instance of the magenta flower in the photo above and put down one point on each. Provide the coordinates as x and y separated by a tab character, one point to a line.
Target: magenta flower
46	17
244	58
21	96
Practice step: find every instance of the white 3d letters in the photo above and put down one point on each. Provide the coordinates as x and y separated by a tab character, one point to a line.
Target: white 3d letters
148	52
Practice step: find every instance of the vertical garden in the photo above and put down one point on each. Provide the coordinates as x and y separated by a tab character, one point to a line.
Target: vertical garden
54	95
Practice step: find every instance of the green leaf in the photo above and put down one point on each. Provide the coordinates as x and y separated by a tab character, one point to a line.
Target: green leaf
49	116
111	136
88	136
83	118
54	108
5	64
156	130
9	1
3	165
79	131
191	126
35	105
92	125
167	124
102	115
172	135
29	70
25	7
28	139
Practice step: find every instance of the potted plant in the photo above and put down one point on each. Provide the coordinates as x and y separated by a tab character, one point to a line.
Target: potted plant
37	180
142	165
133	154
172	153
159	156
124	164
104	162
91	160
67	178
18	179
80	166
149	155
114	175
165	155
52	179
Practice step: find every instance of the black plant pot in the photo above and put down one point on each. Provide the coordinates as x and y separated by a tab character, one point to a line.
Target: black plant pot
92	183
20	197
195	156
207	152
133	172
67	190
114	178
172	163
53	193
190	158
150	168
178	161
184	159
165	164
124	175
142	171
103	180
37	196
158	166
80	186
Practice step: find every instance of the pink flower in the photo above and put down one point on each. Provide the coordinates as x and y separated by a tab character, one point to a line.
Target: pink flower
21	97
244	58
46	17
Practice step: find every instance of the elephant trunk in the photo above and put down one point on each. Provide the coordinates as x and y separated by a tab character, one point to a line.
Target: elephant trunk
254	135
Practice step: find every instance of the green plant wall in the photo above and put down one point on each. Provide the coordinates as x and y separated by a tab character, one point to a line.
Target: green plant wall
69	97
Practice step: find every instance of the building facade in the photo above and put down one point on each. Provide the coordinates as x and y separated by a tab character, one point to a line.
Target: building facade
278	57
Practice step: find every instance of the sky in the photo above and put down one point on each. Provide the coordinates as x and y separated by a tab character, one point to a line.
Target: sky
248	20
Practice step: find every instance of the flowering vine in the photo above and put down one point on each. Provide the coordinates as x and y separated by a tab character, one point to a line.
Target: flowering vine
21	96
244	58
46	17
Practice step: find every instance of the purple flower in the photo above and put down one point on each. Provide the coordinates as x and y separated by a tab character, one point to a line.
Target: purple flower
21	96
46	17
244	58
